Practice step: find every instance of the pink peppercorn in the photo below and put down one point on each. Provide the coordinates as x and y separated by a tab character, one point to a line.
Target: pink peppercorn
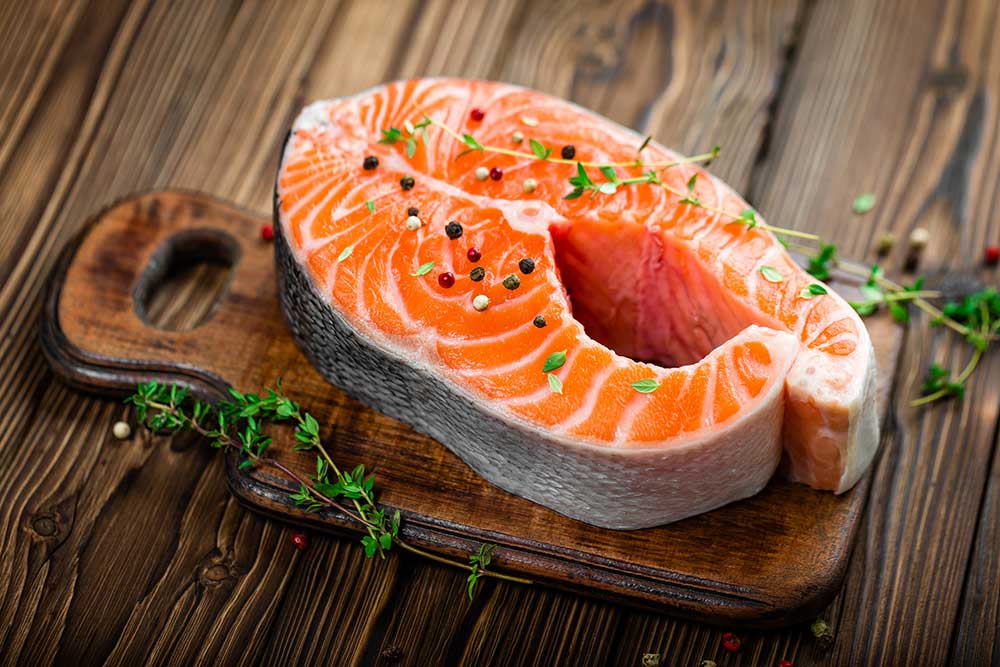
496	173
474	255
267	233
731	642
992	255
446	279
477	114
300	541
785	663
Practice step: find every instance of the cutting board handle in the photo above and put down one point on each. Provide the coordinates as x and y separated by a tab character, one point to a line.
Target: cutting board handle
118	261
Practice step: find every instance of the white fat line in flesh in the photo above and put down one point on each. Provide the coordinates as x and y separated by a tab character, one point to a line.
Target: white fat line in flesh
362	272
834	318
338	212
544	391
322	186
332	272
318	163
320	169
387	108
739	391
597	384
537	357
392	294
320	179
457	341
707	405
305	225
639	402
311	245
410	112
831	317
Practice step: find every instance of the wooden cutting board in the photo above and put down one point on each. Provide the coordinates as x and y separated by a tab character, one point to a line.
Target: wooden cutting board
770	560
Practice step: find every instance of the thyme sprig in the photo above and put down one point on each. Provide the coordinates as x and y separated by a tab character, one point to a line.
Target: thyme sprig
542	150
979	312
393	135
239	424
583	183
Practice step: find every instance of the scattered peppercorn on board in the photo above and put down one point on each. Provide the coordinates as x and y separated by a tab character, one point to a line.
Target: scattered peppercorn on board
772	559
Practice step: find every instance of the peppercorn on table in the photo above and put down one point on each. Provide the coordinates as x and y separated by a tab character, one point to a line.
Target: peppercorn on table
867	122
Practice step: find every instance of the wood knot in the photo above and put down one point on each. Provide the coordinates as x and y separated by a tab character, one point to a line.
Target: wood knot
44	525
601	52
946	81
52	524
217	570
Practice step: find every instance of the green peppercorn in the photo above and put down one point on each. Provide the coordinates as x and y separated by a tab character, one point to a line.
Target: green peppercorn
407	182
477	274
512	282
539	321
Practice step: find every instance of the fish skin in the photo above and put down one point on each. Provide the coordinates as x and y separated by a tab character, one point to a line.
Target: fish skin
608	487
606	456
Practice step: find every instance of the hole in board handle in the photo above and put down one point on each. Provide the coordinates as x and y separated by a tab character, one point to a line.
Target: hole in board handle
186	279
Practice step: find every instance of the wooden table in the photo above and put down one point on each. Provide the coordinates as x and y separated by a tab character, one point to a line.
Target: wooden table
127	551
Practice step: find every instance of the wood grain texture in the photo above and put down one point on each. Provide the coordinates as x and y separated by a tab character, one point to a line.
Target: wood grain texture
97	334
822	99
934	167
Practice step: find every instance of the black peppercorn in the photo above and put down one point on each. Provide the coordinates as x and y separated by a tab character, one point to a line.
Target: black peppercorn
453	229
407	182
413	210
477	274
568	152
539	321
527	265
370	162
512	282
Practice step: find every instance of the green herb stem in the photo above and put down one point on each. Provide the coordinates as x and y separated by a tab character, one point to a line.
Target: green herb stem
962	377
558	160
182	421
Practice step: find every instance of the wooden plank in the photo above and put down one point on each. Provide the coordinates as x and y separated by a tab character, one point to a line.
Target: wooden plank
927	63
693	74
37	35
976	640
42	114
145	104
891	98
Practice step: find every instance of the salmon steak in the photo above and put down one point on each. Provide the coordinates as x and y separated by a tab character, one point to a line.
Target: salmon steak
586	318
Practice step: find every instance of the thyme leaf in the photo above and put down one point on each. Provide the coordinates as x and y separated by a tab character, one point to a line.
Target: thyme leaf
771	274
646	386
423	269
540	151
863	203
554	361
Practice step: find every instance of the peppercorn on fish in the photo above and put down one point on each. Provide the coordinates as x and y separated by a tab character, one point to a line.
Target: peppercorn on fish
614	347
